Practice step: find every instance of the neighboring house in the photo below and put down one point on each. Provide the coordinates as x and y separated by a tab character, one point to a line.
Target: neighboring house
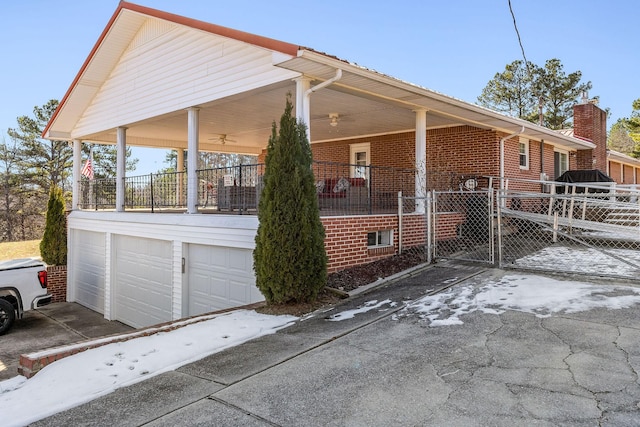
622	168
159	80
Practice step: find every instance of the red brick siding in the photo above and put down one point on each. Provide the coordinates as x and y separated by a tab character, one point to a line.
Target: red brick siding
346	239
548	160
57	282
447	225
584	160
464	150
590	122
335	151
414	230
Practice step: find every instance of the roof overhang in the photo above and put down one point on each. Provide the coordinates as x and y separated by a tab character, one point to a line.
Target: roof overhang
371	84
369	103
622	158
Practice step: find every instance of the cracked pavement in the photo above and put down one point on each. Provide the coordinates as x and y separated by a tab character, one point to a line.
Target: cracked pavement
381	369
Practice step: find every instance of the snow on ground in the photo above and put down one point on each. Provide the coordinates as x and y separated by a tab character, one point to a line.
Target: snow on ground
585	260
368	306
88	375
542	296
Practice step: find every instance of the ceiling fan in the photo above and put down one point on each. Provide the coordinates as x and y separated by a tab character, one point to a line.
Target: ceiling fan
333	119
222	139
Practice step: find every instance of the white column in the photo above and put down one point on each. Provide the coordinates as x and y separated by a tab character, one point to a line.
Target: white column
193	116
303	102
77	167
421	160
179	175
121	161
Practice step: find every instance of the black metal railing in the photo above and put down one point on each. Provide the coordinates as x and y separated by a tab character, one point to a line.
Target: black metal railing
343	189
156	191
97	194
231	189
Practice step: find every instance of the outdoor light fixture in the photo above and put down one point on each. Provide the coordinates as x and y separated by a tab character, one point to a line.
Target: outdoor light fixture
334	119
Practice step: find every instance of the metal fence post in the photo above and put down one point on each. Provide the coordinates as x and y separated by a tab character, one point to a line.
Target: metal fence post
400	206
491	226
431	201
499	215
151	186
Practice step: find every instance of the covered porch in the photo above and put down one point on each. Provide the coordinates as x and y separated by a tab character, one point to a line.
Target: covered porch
164	81
237	190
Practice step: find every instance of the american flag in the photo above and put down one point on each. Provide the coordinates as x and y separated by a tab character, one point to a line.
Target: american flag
87	169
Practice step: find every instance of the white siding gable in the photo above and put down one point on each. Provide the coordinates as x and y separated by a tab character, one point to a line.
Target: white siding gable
169	67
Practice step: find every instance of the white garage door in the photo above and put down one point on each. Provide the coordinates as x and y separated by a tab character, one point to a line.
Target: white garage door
219	277
143	274
88	269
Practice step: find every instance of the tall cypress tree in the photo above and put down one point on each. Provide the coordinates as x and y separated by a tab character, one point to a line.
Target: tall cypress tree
53	247
290	260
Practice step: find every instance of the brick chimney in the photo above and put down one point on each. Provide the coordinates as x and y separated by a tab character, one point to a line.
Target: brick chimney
590	123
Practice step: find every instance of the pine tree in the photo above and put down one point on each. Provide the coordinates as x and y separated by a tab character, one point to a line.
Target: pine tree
290	260
53	247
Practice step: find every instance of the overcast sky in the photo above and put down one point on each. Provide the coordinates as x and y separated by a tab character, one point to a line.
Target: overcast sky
454	47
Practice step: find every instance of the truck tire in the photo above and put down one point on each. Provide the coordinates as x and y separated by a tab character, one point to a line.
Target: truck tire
7	315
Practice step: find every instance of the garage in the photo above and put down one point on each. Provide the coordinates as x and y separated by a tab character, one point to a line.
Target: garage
143	281
89	275
219	277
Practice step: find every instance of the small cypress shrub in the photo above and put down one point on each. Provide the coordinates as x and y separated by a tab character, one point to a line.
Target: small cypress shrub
53	247
290	260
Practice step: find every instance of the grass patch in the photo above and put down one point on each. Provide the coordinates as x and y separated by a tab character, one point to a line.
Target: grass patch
14	250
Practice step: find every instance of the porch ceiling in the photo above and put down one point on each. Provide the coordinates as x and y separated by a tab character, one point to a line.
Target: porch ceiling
246	120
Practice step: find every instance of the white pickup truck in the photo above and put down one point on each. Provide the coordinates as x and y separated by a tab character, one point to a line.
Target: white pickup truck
23	287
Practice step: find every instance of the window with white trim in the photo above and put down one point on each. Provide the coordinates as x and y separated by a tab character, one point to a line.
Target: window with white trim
378	239
360	158
524	153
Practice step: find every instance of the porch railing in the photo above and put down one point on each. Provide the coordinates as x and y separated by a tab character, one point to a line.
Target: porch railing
343	189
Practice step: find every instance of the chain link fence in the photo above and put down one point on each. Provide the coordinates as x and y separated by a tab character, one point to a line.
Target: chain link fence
570	228
452	225
590	229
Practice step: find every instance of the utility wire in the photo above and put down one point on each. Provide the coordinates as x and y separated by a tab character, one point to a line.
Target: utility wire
526	63
515	25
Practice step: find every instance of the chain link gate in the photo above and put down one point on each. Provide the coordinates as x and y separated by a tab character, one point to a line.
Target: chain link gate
573	229
448	225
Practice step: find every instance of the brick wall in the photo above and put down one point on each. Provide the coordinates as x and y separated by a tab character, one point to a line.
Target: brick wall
57	282
447	224
464	150
548	160
346	239
590	123
414	230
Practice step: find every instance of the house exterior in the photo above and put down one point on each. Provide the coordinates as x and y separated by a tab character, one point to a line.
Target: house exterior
622	168
155	79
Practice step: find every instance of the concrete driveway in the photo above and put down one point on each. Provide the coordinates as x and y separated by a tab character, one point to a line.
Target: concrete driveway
51	326
380	368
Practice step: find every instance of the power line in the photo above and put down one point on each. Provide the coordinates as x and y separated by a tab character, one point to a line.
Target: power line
515	25
526	63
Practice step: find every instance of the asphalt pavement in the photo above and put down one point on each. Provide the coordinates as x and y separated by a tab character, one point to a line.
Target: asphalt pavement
380	369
